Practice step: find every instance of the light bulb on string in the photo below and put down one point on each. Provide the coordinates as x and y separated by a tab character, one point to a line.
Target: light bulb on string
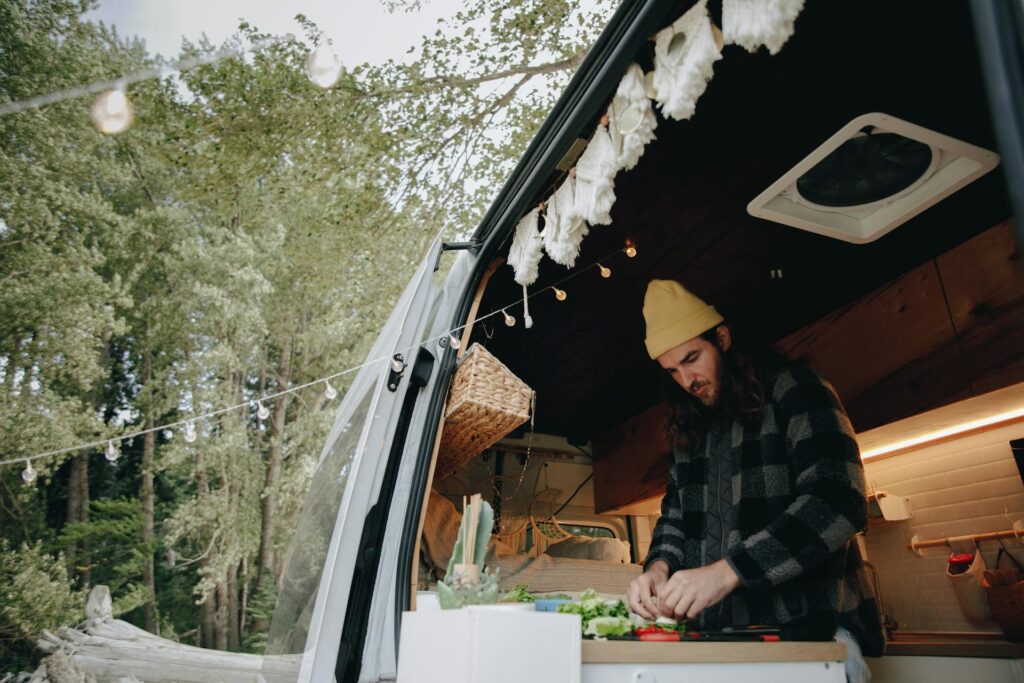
112	112
113	452
630	249
262	412
560	293
29	474
606	272
189	433
454	341
323	67
397	365
330	393
509	320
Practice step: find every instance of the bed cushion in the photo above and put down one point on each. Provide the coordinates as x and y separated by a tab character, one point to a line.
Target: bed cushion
546	574
586	548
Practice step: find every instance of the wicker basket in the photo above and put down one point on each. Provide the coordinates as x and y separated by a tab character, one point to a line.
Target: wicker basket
485	403
1006	596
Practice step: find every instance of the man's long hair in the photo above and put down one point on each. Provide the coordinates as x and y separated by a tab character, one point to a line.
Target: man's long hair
746	369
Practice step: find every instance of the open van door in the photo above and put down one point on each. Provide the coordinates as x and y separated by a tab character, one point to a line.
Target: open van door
319	625
1000	30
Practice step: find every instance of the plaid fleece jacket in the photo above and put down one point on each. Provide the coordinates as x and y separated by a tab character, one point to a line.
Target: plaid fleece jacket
799	496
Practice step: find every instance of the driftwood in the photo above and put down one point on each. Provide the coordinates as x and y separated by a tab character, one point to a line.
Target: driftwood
108	650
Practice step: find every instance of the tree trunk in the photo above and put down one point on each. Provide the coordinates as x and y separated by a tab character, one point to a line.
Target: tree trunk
148	566
78	512
80	476
243	610
269	502
234	633
221	620
208	621
208	607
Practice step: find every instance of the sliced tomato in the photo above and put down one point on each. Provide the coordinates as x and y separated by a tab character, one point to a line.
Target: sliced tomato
660	636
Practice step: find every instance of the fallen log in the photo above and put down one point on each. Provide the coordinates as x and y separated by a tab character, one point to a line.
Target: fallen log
108	650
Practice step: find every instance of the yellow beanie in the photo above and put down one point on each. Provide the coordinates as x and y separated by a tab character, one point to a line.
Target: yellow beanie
674	316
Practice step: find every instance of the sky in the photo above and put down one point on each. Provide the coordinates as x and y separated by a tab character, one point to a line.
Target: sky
362	30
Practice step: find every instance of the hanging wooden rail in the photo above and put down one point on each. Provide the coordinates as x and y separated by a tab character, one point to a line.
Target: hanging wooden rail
1016	532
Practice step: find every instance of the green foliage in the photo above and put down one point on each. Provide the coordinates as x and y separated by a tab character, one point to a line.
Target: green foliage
117	550
35	593
261	609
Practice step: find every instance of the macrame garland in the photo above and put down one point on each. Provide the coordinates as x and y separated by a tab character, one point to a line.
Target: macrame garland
527	320
564	228
684	55
753	23
595	179
525	252
631	119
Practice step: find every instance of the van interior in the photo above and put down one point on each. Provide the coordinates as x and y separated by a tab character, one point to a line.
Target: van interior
918	328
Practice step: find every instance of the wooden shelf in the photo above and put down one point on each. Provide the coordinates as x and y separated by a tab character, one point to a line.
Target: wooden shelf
626	652
953	645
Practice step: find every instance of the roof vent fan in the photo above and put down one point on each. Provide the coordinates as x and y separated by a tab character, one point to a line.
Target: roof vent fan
873	175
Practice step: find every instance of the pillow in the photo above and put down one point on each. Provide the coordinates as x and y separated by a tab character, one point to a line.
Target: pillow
586	548
441	531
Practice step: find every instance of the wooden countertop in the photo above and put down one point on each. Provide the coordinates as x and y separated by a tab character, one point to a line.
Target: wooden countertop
627	652
913	644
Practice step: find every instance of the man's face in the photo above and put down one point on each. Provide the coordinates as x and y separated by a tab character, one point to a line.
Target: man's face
696	366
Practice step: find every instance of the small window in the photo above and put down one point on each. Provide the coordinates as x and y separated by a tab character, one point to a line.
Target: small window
591	531
575	530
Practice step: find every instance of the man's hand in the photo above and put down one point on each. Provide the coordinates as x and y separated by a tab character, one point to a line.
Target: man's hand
690	591
643	591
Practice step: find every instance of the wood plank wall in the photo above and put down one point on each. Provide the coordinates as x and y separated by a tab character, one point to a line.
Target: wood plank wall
631	463
949	329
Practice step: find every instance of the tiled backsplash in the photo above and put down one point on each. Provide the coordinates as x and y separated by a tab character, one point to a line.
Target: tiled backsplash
968	485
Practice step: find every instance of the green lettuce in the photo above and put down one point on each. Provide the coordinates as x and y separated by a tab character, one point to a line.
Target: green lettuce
519	593
592	606
602	627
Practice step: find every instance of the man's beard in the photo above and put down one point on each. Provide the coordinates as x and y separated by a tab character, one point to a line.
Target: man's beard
704	395
710	392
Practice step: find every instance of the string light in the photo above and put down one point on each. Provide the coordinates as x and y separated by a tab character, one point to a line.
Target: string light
189	433
330	393
323	67
509	320
605	271
112	112
113	452
180	66
630	249
29	474
262	411
454	342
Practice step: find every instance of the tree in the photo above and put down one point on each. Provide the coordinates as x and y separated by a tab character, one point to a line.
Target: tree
249	234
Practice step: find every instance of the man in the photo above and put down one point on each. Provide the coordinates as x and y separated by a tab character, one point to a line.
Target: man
765	494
